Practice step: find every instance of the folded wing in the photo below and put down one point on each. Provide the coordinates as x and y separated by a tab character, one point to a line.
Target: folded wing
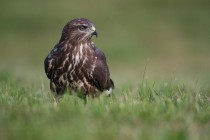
101	74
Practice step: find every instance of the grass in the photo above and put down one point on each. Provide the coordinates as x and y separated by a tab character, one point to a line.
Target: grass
169	110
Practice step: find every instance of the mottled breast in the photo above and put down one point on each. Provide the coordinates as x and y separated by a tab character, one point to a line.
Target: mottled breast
77	67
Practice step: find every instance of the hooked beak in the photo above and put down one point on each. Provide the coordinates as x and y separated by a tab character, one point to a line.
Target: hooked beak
95	33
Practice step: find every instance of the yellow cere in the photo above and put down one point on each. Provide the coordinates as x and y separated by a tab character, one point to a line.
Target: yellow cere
93	28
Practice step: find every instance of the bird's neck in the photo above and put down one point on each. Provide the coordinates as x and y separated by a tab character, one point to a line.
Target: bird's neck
82	42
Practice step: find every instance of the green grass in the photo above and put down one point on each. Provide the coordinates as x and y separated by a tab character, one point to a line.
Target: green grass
166	110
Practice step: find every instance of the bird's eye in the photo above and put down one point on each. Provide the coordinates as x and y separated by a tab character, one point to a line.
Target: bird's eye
83	27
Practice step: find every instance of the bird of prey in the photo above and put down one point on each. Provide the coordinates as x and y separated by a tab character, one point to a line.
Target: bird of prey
76	64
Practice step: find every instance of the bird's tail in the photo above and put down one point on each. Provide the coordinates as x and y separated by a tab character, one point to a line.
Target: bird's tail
111	84
110	87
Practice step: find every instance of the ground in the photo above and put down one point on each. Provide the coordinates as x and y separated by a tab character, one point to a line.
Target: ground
170	110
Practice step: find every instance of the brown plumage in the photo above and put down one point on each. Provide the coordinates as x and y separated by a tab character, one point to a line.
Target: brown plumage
76	64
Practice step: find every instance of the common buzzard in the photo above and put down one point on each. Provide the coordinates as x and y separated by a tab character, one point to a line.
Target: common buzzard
76	64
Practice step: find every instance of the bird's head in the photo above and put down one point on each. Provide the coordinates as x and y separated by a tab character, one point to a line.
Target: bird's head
79	30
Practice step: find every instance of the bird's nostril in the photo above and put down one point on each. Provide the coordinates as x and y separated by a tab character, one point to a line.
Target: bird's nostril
93	28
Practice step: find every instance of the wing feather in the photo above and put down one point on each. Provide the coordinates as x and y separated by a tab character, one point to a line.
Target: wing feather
50	62
101	72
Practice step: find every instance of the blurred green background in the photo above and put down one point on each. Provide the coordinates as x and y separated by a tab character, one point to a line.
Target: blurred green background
172	37
168	39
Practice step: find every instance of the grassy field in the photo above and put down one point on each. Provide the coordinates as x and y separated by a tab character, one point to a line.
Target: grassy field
170	110
158	55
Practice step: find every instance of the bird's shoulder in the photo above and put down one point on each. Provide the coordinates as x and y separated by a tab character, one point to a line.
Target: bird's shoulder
53	53
99	53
